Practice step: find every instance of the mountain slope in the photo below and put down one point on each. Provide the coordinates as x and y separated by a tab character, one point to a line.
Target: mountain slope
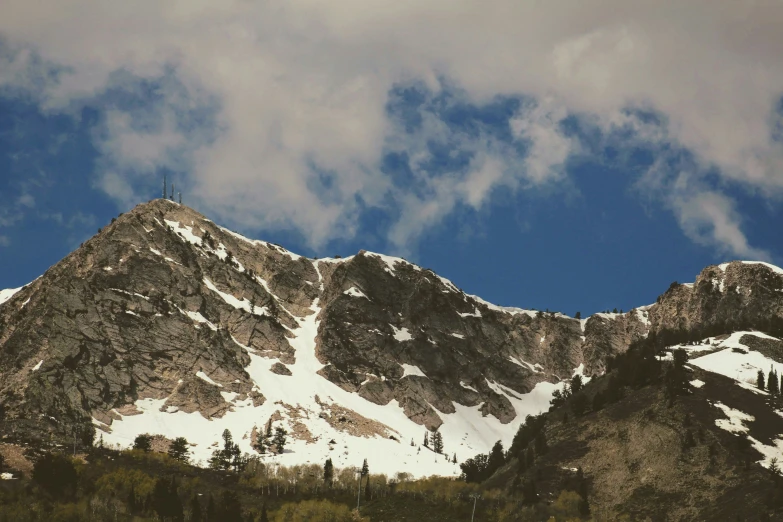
167	323
700	458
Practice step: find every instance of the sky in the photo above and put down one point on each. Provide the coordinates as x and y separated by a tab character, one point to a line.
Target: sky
559	155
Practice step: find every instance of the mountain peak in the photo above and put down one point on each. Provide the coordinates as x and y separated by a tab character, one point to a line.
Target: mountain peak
168	323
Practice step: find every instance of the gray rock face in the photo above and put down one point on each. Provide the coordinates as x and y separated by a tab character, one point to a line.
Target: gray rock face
733	292
163	294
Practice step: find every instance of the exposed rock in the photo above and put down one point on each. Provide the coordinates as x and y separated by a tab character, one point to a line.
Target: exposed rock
352	423
280	369
195	394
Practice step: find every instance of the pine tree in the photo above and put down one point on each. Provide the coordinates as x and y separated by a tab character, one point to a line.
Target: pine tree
772	383
578	315
178	450
760	380
268	429
228	457
367	490
328	472
576	384
143	442
437	441
454	459
279	439
426	440
365	468
496	458
261	440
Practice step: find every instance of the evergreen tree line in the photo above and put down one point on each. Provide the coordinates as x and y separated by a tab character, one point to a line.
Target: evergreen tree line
772	383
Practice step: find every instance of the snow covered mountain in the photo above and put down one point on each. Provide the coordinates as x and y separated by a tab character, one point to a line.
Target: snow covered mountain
166	323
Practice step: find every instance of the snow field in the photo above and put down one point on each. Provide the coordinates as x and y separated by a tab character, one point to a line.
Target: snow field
742	367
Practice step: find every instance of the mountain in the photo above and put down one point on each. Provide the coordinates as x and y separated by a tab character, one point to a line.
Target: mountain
167	323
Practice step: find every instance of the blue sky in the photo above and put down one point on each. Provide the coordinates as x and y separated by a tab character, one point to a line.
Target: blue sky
570	190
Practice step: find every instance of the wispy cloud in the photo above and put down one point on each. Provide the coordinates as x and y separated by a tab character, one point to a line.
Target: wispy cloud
298	92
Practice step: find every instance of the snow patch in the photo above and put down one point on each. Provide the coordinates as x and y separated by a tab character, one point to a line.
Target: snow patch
391	262
503	309
196	316
774	268
458	336
735	421
7	294
401	334
643	317
355	292
130	293
242	304
697	383
412	370
468	387
523	364
38	366
185	231
476	313
203	376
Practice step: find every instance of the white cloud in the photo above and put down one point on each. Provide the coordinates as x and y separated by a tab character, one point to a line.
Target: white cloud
710	218
304	82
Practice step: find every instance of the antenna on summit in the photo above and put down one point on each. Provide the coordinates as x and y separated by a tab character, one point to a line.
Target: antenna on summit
172	192
165	186
179	194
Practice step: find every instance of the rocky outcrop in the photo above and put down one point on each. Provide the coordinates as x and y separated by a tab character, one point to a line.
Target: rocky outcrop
731	293
197	395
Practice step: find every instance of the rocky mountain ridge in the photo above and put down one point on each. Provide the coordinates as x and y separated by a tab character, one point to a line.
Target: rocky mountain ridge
166	318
